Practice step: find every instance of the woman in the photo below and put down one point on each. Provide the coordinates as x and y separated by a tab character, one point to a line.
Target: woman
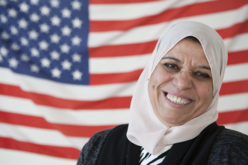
174	108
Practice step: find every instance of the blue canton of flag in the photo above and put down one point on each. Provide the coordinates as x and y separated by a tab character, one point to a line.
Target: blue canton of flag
45	39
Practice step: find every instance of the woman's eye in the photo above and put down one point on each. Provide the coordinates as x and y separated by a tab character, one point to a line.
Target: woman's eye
172	67
201	75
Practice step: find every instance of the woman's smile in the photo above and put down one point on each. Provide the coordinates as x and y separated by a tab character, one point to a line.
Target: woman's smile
177	99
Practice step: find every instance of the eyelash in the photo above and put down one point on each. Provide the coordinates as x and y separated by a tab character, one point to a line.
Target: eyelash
202	75
174	68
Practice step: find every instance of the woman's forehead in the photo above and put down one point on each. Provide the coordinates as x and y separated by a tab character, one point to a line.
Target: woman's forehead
187	50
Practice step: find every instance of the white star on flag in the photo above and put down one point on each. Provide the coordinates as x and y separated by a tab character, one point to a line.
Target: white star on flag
15	47
76	40
66	65
55	38
55	20
45	10
23	24
34	68
66	13
56	73
34	17
3	3
65	48
66	31
44	28
12	13
43	45
76	58
24	7
55	55
77	75
13	30
3	51
5	36
34	2
34	52
33	34
13	63
76	23
3	19
76	5
24	57
45	62
55	3
24	41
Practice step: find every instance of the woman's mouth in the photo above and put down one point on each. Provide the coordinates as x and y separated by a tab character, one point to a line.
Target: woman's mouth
177	99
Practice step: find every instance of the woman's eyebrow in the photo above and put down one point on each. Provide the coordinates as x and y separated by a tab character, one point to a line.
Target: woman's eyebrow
177	60
172	58
204	67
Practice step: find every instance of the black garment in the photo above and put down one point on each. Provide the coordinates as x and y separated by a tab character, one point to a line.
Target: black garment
152	159
111	147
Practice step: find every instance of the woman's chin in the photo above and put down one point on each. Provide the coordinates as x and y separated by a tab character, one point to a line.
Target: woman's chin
173	120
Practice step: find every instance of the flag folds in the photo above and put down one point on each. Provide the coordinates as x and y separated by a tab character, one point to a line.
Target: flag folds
68	68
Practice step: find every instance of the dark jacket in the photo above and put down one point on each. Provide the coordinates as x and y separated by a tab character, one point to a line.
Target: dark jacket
228	148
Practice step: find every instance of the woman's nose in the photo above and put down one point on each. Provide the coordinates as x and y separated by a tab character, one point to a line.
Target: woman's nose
182	81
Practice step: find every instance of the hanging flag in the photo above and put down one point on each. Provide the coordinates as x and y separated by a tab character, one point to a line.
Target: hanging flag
68	68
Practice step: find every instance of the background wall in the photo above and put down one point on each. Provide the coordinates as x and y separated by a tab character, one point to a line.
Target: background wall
68	68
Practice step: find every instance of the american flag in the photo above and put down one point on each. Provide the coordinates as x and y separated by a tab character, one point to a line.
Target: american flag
68	68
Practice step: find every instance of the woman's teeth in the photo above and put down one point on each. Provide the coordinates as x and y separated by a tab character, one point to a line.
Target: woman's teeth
177	100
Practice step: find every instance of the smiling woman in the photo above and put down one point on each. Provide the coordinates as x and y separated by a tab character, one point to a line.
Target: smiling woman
181	86
173	111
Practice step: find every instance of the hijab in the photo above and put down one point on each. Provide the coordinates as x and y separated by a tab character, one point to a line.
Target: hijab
145	129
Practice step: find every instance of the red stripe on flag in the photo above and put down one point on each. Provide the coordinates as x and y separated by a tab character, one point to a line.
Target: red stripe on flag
80	131
119	1
63	152
237	57
47	100
123	50
98	79
39	122
235	29
234	87
168	15
233	117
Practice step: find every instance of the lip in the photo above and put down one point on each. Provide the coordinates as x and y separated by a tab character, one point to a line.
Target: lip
174	105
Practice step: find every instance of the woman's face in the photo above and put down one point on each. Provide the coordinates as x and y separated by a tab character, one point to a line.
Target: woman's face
181	86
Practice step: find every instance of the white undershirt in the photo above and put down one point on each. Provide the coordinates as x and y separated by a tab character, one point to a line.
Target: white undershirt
148	159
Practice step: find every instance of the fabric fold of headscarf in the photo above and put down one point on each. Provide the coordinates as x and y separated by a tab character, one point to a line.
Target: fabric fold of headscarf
145	129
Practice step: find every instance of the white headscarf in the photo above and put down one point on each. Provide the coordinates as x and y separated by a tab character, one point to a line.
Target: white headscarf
145	129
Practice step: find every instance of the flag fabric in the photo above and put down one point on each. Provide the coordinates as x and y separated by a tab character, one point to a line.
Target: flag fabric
68	68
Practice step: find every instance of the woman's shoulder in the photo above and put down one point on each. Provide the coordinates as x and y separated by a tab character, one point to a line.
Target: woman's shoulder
232	136
98	138
232	139
230	147
91	150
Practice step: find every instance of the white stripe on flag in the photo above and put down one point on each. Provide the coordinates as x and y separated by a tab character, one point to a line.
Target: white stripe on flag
233	102
66	91
29	158
236	72
29	134
66	116
153	32
118	64
138	10
237	43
